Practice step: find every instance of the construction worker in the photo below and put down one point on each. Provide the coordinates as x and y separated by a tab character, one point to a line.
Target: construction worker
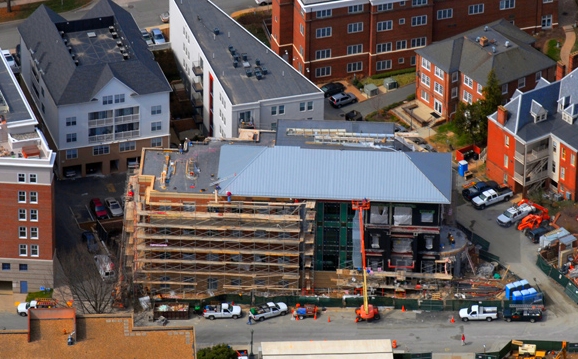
463	339
249	322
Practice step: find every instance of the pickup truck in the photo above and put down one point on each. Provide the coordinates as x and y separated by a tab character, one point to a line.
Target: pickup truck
268	310
23	308
223	310
535	234
492	196
477	189
477	312
514	214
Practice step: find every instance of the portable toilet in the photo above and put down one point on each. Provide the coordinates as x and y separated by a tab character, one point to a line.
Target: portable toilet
517	297
462	167
509	290
532	294
517	286
526	296
524	284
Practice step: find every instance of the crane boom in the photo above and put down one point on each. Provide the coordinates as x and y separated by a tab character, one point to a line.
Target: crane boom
360	206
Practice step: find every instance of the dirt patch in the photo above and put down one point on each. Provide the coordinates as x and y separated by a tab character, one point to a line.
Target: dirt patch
543	37
568	217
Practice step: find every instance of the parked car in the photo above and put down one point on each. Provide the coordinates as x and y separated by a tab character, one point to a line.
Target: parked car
268	310
165	17
342	99
223	310
11	61
146	36
353	115
399	128
158	36
91	243
528	315
98	208
429	148
332	88
535	234
263	2
113	207
418	140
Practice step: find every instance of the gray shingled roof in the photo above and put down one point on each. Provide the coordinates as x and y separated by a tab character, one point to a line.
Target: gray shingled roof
70	84
294	172
282	79
463	53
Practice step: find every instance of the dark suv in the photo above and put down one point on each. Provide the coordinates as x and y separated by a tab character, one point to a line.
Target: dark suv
332	88
535	234
528	315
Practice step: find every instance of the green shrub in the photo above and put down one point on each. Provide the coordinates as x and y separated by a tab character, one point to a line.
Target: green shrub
393	73
42	294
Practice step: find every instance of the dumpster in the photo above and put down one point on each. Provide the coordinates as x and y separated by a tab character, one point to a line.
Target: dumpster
171	311
462	167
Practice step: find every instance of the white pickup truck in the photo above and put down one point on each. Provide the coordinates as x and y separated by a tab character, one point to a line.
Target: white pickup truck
514	214
268	310
224	310
477	312
492	196
23	308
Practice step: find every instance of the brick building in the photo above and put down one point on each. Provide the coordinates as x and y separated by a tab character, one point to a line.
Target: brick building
534	139
27	193
456	69
334	39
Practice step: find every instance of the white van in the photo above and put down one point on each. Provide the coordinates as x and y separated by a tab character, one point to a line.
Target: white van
105	267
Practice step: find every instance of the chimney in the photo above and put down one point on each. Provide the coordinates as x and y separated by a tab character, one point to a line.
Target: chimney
560	70
572	61
502	115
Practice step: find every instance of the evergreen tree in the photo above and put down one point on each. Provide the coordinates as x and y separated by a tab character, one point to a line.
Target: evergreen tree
219	351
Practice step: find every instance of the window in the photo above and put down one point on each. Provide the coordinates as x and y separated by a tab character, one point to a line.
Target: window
476	9
505	161
107	100
355	9
34	233
480	89
454	92
401	44
273	110
455	76
438	107
354	27
119	98
538	76
439	89
418	2
323	13
354	49
21	197
547	1
301	29
507	4
309	105
156	126
23	251
418	42
425	80
34	215
32	178
156	142
468	82
547	21
522	83
445	14
554	146
504	89
425	95
505	179
22	177
322	54
419	20
323	32
412	61
401	21
323	71
467	97
23	267
281	109
100	150
34	250
33	197
71	121
71	137
5	266
400	60
71	154
21	214
563	153
562	172
384	47
385	25
127	146
425	64
302	106
553	167
383	65
156	110
573	160
507	140
355	66
384	7
439	72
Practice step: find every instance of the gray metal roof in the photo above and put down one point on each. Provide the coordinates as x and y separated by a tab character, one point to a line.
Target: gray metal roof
294	172
464	53
9	91
282	80
99	58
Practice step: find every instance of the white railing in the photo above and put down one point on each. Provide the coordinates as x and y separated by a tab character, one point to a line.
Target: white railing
100	122
100	138
127	119
127	134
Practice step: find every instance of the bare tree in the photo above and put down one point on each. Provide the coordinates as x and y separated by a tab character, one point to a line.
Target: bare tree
8	5
80	275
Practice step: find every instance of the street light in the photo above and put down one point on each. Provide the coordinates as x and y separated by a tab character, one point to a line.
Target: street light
251	355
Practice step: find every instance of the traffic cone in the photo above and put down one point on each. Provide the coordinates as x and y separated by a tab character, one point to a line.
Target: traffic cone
315	316
403	308
394	344
328	319
452	320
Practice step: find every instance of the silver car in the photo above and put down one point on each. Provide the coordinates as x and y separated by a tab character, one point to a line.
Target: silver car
146	36
158	36
113	207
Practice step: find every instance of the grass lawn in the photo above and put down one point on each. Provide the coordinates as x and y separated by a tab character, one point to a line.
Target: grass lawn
402	80
23	11
446	135
553	51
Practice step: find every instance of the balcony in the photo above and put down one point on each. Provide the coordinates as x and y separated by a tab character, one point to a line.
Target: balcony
197	86
101	122
518	156
197	70
531	178
100	138
537	154
197	101
127	119
127	134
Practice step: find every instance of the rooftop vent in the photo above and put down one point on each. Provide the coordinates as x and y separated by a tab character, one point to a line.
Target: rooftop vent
216	31
69	49
111	28
73	55
76	62
235	63
483	41
122	49
62	34
258	73
249	72
91	34
507	43
125	55
257	62
118	43
114	34
485	28
244	55
65	41
493	49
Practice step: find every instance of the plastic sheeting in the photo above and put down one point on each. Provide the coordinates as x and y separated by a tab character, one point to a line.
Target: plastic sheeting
379	215
402	215
356	237
402	245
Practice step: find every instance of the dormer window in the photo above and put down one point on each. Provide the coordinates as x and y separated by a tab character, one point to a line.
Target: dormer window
538	112
570	113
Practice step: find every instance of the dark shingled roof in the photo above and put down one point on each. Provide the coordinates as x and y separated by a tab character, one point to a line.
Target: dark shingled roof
463	53
70	84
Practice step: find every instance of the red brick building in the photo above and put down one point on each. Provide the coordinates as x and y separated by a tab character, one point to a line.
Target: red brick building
333	39
534	140
456	69
27	193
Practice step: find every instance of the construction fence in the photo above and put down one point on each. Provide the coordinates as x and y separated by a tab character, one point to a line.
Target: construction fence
570	288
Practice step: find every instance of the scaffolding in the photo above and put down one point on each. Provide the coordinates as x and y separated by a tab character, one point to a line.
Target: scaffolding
191	245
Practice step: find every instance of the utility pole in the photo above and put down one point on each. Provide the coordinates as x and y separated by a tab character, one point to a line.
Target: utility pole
251	355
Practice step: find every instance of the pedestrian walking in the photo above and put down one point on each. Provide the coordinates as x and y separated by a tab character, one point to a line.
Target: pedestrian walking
463	339
249	322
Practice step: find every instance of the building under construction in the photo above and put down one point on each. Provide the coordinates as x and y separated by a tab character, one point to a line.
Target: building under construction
221	217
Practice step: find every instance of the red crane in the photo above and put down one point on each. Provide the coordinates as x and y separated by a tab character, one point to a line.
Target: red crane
367	311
